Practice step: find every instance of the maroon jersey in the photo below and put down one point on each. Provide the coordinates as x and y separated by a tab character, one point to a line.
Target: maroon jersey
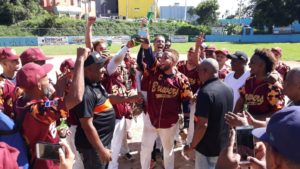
7	89
165	95
192	75
262	98
282	69
38	119
117	84
224	72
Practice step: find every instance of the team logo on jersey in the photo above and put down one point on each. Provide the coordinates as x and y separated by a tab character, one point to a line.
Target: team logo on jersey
164	91
254	99
50	103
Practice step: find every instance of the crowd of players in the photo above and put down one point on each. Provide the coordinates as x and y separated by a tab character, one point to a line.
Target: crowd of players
196	102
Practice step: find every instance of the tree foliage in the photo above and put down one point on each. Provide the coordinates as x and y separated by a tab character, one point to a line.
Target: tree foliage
207	12
271	13
13	11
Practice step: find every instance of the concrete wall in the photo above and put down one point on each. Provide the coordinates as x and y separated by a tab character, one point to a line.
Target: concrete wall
136	9
18	41
175	12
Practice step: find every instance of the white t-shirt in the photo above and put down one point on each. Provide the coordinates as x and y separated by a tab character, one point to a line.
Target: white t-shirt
236	84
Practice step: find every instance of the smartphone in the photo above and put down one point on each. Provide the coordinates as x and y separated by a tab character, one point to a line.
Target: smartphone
244	143
47	151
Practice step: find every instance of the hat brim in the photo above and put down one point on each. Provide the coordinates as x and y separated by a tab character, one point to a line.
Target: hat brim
46	58
102	62
231	56
211	50
47	68
219	51
276	50
260	134
14	57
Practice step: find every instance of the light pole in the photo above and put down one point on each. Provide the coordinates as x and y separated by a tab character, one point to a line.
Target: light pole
185	8
126	9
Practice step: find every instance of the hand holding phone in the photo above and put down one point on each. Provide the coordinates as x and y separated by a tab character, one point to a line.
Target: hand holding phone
66	157
47	151
245	143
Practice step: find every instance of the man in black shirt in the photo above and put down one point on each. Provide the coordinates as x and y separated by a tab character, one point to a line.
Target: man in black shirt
96	115
214	100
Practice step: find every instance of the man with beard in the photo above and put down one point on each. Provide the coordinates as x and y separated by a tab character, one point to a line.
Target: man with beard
143	67
37	112
165	86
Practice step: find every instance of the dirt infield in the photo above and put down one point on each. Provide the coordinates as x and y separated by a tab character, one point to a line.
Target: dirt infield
135	146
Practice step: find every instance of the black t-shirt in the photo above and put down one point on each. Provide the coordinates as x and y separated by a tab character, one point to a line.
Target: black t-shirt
214	99
95	104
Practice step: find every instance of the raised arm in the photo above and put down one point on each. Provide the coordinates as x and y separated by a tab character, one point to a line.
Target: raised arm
77	85
200	39
88	32
139	59
149	57
118	58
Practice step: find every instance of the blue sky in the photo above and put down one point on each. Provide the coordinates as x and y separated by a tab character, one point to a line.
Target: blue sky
230	5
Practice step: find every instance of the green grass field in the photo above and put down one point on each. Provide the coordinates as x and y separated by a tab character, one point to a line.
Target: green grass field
291	51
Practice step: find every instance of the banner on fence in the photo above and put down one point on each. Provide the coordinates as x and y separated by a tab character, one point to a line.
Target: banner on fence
76	40
179	38
53	40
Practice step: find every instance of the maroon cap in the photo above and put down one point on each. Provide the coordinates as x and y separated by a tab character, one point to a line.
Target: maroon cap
33	54
211	47
277	49
223	51
67	64
9	54
30	74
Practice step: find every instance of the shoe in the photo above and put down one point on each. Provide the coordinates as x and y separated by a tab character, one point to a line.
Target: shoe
128	157
177	144
152	164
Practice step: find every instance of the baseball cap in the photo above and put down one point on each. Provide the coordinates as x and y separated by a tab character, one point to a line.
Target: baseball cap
238	55
282	133
33	54
277	49
29	75
67	64
223	51
211	47
9	54
96	58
